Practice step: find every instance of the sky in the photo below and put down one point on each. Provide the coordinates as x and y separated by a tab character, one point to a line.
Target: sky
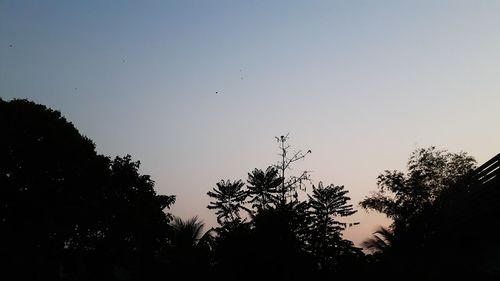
197	90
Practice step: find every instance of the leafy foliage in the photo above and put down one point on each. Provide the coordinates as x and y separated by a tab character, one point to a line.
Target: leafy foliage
67	211
263	188
381	241
430	172
189	233
229	198
286	238
326	204
190	248
414	243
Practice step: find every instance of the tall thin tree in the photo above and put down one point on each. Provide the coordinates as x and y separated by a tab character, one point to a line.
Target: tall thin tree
290	185
327	204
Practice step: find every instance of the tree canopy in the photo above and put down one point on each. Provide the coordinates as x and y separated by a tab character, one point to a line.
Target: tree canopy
326	205
415	244
69	213
229	199
430	172
64	206
286	236
263	188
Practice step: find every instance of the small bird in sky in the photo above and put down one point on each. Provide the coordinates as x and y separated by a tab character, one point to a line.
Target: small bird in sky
216	92
10	46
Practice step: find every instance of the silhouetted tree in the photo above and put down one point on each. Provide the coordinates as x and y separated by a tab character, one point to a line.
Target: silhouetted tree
234	252
277	251
134	226
290	185
67	212
190	248
327	203
381	241
229	199
286	238
189	233
430	172
411	200
263	188
48	173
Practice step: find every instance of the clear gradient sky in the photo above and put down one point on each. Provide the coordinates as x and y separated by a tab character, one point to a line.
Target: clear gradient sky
360	83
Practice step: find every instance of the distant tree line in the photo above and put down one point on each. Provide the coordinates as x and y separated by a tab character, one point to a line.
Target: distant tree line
69	213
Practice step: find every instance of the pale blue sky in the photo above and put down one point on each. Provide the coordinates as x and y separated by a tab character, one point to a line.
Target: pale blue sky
361	83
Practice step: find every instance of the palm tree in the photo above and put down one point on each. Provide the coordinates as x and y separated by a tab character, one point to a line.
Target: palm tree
228	201
190	247
263	187
382	240
189	233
